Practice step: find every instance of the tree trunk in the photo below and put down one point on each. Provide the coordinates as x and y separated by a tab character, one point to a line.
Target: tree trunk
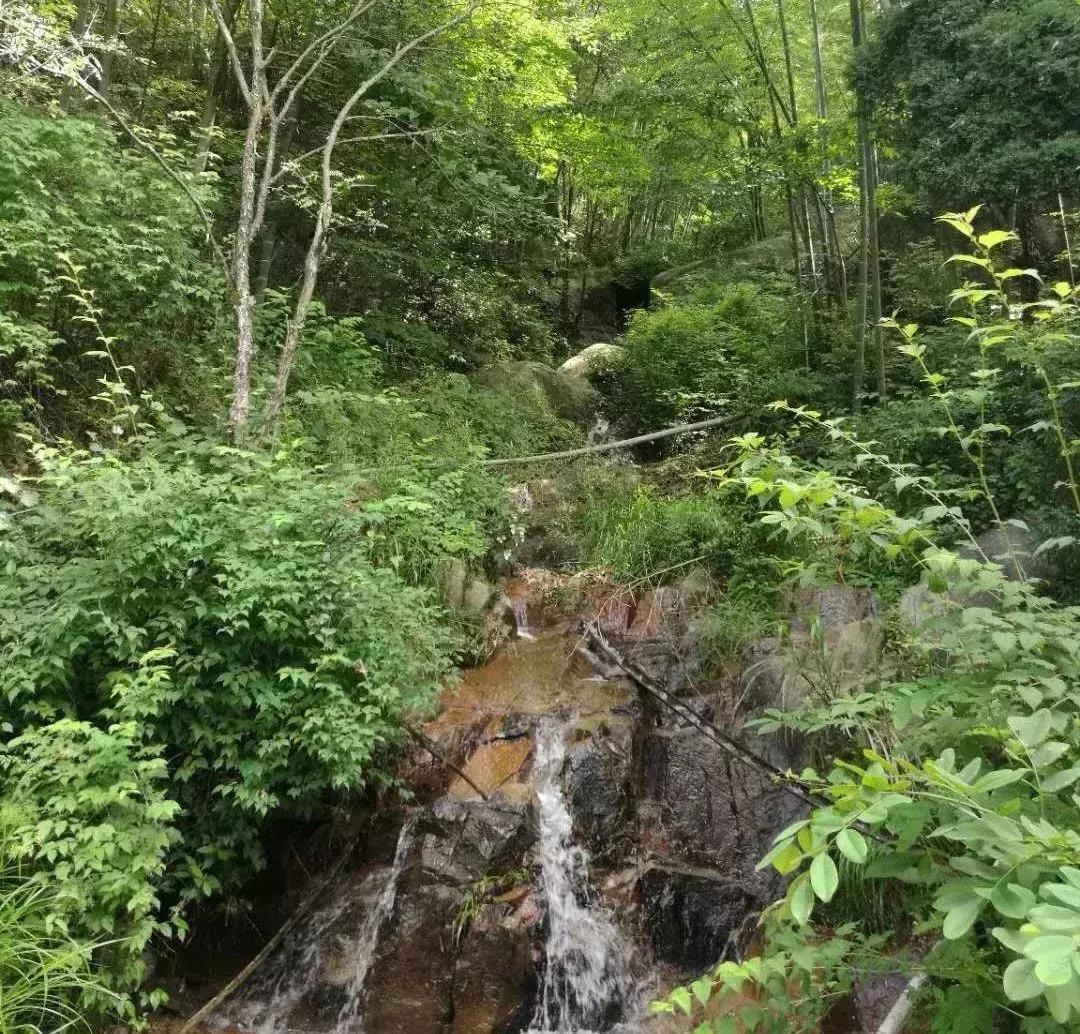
110	25
83	12
870	267
243	301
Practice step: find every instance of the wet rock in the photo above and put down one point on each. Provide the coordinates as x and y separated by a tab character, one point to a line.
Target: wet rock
495	767
464	840
410	987
599	781
494	979
713	810
690	915
591	359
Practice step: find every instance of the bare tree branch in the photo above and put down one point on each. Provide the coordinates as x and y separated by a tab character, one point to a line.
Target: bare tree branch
317	246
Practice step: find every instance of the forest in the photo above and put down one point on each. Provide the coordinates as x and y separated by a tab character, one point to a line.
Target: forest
624	453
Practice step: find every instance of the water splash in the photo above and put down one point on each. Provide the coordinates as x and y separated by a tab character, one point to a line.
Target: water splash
368	938
294	973
520	606
588	982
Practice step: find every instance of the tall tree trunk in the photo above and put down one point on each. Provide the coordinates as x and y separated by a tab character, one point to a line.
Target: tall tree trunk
870	271
215	73
83	12
110	25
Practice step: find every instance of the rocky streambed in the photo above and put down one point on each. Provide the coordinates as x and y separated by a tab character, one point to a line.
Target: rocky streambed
573	850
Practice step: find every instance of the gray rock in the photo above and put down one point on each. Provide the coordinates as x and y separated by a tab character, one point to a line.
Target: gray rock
690	915
833	649
713	810
476	597
464	840
920	605
589	360
1014	549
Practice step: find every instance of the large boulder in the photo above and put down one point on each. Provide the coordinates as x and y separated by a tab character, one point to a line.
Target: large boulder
589	360
833	647
1015	548
463	840
571	397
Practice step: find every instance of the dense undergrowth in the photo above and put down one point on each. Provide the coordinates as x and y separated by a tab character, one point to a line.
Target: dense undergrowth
209	625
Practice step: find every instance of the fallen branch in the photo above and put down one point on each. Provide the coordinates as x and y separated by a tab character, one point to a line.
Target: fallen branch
430	746
894	1021
641	439
267	949
783	779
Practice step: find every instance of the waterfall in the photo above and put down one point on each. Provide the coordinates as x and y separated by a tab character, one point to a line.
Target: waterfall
294	972
520	607
368	939
587	984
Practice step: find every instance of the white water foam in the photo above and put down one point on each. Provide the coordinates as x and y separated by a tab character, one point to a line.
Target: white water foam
295	970
588	983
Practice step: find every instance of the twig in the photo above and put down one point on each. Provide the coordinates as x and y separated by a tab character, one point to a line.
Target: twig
429	745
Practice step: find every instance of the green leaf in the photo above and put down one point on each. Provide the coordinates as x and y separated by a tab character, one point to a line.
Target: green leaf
852	845
1012	900
1050	946
802	901
1020	982
1055	972
823	877
1031	731
680	997
1061	780
702	988
995	238
1055	919
960	918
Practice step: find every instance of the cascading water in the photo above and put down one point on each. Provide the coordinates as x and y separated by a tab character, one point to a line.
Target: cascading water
368	939
588	983
295	972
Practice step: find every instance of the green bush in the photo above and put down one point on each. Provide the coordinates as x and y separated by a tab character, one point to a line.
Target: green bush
46	975
695	358
69	194
226	606
646	536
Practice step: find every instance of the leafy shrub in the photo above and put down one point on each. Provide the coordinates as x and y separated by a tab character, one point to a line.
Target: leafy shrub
695	358
91	817
646	536
281	656
68	189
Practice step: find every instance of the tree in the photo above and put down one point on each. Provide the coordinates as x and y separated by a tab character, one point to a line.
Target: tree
974	98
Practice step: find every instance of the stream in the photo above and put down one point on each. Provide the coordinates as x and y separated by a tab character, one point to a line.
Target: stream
610	857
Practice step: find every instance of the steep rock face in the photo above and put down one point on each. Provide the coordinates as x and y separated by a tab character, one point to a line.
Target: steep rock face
410	988
711	809
691	916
